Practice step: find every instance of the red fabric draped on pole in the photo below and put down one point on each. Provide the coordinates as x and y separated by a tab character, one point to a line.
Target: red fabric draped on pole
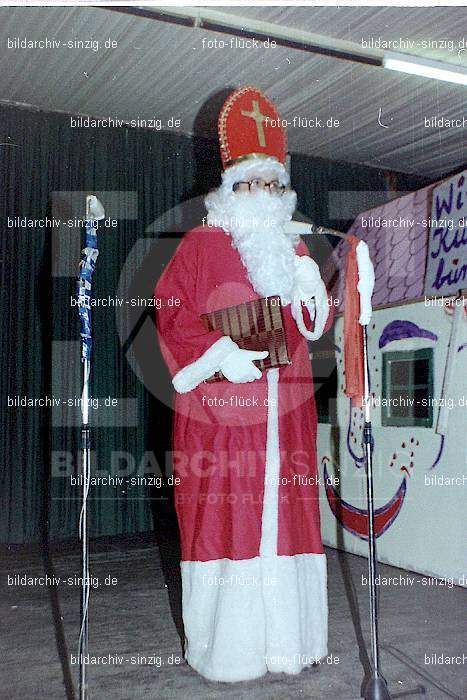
353	331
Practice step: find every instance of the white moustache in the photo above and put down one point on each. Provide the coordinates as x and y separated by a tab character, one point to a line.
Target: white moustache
256	223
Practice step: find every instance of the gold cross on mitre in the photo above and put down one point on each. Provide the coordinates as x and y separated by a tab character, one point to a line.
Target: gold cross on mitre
259	119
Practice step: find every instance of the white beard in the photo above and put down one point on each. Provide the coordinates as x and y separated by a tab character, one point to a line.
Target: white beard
256	224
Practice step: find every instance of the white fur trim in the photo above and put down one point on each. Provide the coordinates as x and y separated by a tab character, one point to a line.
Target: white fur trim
269	613
269	520
244	618
205	366
366	282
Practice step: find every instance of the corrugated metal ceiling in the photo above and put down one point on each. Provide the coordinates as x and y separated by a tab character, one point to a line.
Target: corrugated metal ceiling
161	70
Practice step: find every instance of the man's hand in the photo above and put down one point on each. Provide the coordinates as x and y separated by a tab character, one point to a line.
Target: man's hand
308	282
238	366
309	289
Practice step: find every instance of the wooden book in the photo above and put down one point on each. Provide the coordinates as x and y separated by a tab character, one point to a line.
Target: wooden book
253	325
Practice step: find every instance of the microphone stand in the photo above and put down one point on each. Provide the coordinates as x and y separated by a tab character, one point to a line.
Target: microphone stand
94	212
376	688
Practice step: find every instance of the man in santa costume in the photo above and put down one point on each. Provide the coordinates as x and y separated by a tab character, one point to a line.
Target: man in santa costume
244	448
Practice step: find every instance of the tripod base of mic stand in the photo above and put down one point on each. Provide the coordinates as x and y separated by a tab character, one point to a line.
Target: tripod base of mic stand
377	689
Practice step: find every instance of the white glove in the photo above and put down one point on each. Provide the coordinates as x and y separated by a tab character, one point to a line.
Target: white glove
238	366
307	280
309	288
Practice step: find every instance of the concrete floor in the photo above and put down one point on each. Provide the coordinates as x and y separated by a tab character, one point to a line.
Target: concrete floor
136	616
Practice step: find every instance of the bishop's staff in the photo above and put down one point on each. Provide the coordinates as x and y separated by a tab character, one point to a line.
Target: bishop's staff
94	212
360	277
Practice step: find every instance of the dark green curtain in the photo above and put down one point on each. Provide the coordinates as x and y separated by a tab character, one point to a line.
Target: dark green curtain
151	184
317	181
46	169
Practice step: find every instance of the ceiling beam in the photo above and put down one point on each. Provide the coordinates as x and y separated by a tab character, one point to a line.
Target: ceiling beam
249	28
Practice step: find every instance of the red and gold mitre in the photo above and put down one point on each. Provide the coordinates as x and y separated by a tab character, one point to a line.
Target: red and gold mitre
250	126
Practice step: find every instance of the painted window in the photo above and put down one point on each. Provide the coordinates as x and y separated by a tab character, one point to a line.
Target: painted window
408	388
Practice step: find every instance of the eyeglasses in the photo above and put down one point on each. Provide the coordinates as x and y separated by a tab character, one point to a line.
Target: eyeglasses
259	184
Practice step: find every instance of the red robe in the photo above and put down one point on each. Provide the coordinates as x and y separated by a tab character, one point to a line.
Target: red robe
220	436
